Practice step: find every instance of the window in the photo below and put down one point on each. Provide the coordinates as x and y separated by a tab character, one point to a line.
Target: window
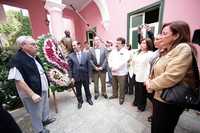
150	15
90	36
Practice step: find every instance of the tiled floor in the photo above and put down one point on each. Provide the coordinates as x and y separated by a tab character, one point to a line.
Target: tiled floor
107	116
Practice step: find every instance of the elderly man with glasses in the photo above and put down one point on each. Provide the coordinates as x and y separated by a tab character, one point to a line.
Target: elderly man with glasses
31	83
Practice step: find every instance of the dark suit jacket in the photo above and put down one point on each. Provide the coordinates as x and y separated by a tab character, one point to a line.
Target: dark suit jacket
76	70
103	59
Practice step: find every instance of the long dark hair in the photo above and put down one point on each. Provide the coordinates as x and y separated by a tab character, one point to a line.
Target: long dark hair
180	28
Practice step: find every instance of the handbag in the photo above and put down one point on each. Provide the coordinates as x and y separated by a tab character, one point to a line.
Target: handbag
183	96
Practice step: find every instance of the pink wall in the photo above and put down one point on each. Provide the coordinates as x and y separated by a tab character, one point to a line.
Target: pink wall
37	14
37	17
118	9
79	35
93	17
186	10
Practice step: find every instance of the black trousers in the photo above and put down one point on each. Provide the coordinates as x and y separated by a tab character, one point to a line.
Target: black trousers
78	85
165	117
130	84
140	96
7	123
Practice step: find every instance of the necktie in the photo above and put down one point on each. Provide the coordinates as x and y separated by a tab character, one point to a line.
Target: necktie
79	57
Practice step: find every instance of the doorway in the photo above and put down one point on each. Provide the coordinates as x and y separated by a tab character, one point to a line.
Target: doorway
90	34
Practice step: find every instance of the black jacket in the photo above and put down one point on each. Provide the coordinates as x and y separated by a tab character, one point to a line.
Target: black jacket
28	68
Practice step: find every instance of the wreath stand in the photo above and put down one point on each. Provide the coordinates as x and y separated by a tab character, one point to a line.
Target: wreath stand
71	86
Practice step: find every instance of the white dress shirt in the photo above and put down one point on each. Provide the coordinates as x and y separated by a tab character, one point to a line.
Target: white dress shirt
118	62
97	53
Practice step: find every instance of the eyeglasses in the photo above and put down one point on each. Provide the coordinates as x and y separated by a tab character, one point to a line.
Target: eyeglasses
33	44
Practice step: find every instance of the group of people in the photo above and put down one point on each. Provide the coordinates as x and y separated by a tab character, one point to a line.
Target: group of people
96	62
158	64
150	71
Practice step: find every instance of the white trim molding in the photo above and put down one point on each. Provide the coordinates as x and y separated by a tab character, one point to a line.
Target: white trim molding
102	5
52	6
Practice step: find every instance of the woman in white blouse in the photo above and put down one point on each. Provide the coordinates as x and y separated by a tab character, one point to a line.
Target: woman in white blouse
141	62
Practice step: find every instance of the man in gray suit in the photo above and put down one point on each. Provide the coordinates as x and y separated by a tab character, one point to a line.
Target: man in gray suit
99	62
79	64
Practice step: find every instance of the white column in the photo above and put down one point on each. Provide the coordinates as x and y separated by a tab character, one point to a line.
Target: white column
56	20
102	5
2	14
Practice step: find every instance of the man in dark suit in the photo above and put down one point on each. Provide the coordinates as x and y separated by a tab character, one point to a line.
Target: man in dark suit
99	62
79	64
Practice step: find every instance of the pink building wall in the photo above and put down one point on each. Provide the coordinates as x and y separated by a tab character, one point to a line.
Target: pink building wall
187	10
173	10
37	14
93	17
79	28
118	11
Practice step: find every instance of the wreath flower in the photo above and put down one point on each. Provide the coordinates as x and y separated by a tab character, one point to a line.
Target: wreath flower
54	63
53	55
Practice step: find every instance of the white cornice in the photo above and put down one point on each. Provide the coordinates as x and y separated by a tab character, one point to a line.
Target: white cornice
49	5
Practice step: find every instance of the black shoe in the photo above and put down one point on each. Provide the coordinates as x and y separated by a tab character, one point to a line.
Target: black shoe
90	102
141	109
121	101
112	97
96	97
134	104
79	105
48	121
105	96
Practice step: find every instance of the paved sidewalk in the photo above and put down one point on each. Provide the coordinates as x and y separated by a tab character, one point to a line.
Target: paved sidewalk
107	116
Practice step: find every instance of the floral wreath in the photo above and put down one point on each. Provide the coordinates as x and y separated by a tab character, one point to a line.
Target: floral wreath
54	63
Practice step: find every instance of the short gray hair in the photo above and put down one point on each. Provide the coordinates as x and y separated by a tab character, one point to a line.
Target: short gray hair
24	39
20	40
